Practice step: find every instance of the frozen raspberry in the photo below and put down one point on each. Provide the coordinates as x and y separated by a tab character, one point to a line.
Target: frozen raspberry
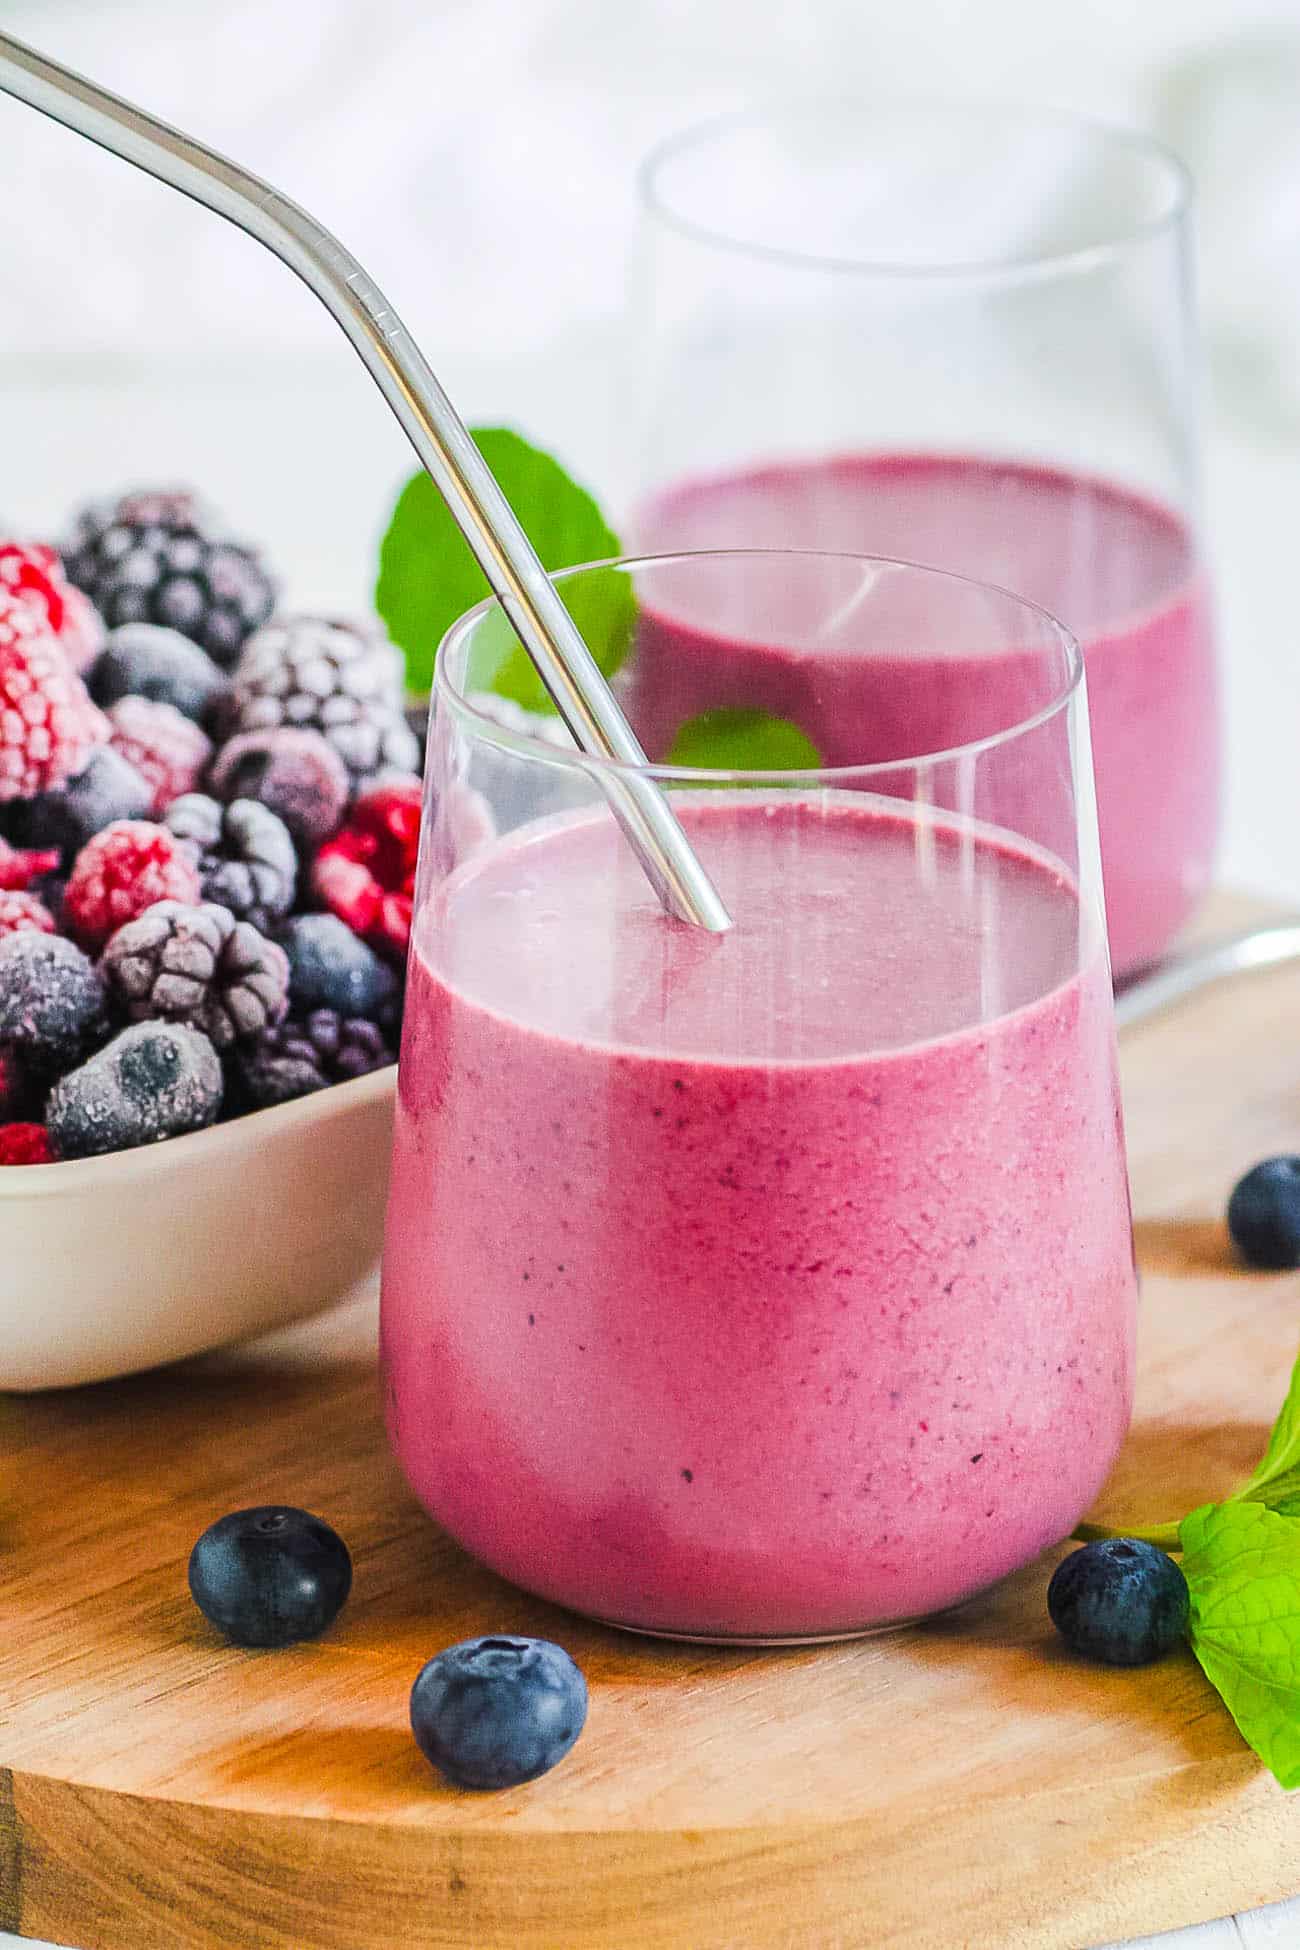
82	635
107	788
20	913
120	872
144	660
341	679
296	774
156	1080
165	747
34	574
366	873
48	725
25	1144
51	1000
330	968
244	854
20	867
198	965
160	557
308	1053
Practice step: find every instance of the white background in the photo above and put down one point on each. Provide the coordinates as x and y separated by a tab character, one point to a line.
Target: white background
477	154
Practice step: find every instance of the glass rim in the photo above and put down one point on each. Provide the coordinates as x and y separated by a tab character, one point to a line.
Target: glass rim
1008	266
523	744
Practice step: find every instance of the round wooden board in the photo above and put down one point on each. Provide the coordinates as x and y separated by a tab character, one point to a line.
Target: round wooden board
966	1784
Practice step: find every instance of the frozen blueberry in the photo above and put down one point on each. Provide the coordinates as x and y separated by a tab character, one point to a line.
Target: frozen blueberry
145	660
492	1712
1121	1601
270	1576
51	1000
329	968
156	1080
1264	1215
108	788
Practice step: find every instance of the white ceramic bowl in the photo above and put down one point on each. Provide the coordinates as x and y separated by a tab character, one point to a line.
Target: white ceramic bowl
109	1265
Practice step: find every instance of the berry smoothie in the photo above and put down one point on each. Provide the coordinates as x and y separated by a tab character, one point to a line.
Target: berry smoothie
771	1284
1120	571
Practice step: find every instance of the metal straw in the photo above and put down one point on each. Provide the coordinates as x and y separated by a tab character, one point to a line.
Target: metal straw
572	677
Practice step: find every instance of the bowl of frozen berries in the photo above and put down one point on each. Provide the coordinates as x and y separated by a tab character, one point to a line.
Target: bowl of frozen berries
209	812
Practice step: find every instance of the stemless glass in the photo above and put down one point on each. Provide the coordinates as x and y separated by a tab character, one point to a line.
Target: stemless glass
964	336
779	1284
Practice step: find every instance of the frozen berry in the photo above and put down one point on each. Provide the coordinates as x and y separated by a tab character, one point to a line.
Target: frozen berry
366	873
22	868
83	632
121	872
494	1712
341	679
296	774
245	855
197	965
155	1080
51	999
1121	1601
165	746
1264	1215
25	1144
309	1053
48	725
24	912
13	1085
159	557
271	1576
34	574
144	660
108	788
329	968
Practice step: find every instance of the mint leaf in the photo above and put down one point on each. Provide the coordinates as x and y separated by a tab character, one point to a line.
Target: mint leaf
1276	1479
1242	1565
428	576
743	741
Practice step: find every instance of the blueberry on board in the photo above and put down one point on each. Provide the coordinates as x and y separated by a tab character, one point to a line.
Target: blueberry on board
1264	1215
492	1712
1121	1601
270	1576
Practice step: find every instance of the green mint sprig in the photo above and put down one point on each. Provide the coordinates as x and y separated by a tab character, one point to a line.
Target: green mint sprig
1241	1559
428	576
743	741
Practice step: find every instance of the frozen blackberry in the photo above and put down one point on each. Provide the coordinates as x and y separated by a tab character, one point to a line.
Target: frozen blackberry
107	788
309	1053
296	773
145	660
198	965
341	679
51	1000
156	1080
244	854
329	968
159	557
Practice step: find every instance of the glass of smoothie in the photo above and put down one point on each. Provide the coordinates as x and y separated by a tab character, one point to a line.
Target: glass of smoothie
774	1285
964	337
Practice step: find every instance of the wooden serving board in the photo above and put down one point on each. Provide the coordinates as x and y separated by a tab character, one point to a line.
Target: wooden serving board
963	1786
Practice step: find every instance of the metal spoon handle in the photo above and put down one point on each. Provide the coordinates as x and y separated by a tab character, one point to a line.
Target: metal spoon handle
440	438
1199	967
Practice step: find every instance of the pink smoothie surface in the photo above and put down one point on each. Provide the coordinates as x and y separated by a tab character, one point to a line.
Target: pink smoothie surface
1119	570
753	1285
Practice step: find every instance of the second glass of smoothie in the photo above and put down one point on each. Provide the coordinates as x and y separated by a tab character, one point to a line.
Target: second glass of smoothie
775	1285
964	337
